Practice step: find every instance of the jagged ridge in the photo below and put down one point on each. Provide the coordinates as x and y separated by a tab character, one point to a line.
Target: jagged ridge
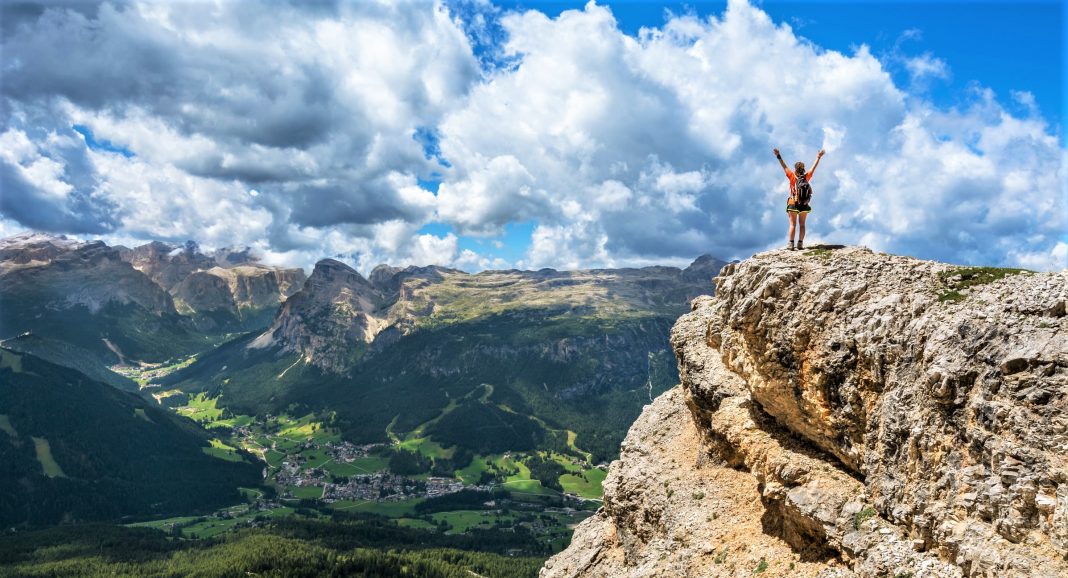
224	291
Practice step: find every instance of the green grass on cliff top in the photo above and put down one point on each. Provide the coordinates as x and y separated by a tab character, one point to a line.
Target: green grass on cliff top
960	278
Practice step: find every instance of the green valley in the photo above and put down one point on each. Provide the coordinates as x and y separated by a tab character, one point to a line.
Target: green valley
424	418
309	466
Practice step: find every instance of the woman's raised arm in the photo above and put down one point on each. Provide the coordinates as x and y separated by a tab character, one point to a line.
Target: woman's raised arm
778	156
812	171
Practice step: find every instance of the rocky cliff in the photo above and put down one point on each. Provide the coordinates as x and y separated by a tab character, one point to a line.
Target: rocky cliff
61	273
255	287
330	321
845	413
226	290
167	265
84	294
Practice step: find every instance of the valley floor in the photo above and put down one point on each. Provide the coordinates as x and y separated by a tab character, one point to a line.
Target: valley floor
310	471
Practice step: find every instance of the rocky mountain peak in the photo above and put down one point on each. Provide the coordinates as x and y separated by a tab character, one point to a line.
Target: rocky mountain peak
704	268
382	274
388	279
896	417
229	286
167	264
31	246
331	269
332	279
59	273
330	320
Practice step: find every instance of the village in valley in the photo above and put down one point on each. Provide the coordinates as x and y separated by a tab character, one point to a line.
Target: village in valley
314	472
377	486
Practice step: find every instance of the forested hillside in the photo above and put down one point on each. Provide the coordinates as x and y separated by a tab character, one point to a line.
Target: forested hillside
74	449
366	547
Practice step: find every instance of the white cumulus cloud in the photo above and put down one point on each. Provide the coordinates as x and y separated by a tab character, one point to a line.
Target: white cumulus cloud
660	147
310	130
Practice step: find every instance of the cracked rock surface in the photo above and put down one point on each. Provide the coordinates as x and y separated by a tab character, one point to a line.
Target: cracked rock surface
883	420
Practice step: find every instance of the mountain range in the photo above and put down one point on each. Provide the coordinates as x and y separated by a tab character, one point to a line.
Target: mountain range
146	304
512	359
226	290
84	294
481	364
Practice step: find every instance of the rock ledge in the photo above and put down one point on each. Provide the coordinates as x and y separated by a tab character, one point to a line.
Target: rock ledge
844	413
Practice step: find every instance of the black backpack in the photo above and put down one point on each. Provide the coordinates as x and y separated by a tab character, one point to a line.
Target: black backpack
803	190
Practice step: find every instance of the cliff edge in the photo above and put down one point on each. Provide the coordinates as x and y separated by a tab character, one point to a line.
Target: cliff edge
846	413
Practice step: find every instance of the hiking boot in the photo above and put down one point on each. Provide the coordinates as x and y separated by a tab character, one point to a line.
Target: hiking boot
790	246
800	244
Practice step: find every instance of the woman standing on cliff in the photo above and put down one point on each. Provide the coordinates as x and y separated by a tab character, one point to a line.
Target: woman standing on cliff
797	205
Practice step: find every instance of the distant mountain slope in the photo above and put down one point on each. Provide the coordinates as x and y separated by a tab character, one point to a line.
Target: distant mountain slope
84	294
68	355
579	351
228	290
166	265
74	449
585	375
331	320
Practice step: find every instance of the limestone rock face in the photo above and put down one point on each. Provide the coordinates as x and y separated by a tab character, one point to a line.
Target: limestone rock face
890	423
251	288
331	320
703	269
203	292
254	286
81	304
56	273
165	264
671	511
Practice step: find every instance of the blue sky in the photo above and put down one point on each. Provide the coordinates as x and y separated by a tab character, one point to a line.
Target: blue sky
532	134
1006	46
